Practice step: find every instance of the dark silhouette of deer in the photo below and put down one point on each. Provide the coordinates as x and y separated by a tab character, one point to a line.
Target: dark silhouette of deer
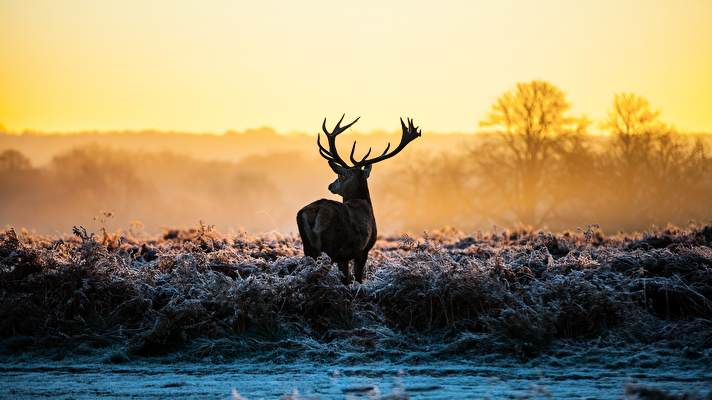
346	231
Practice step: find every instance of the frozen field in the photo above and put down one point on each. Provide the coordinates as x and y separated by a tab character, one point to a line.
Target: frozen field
195	314
600	374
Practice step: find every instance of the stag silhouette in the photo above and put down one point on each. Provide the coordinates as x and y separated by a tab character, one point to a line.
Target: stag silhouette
346	230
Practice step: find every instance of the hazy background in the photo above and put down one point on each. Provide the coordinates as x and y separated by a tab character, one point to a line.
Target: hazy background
533	113
536	165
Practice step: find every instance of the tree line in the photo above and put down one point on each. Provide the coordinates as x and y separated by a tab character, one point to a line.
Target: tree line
535	164
540	166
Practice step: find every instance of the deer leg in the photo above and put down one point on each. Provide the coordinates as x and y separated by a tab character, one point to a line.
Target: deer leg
344	268
359	265
309	250
309	234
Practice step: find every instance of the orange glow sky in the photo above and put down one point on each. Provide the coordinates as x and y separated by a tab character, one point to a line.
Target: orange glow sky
217	65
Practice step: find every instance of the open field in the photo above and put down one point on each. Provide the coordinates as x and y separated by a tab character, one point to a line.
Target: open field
582	298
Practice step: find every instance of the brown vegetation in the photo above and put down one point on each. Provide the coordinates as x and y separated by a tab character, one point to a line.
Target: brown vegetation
513	291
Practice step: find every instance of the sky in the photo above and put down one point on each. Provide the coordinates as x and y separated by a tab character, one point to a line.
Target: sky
217	65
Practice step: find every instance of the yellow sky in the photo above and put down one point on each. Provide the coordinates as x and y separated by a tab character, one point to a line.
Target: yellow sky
215	65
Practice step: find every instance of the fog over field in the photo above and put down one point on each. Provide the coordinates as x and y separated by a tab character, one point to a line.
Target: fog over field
257	180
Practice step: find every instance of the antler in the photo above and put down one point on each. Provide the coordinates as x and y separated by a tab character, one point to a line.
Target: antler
332	153
409	134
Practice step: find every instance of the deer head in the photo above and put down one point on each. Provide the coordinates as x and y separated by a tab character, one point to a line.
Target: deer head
351	180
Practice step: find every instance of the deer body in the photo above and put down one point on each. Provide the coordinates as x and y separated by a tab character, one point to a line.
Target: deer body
345	230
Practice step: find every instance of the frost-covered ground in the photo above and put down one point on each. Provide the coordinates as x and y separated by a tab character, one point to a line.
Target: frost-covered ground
595	373
194	314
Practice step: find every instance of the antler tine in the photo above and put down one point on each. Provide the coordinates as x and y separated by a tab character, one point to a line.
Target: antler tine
410	133
412	129
324	152
332	153
323	127
351	156
336	128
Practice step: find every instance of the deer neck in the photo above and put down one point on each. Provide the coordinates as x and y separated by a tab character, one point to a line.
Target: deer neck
361	193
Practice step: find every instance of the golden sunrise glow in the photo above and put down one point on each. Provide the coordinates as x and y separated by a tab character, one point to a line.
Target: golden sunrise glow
217	65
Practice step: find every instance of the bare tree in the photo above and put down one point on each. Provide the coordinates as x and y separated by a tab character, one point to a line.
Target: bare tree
633	126
13	161
652	169
533	128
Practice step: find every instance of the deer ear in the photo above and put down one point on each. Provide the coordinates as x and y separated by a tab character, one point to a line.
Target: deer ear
367	170
336	168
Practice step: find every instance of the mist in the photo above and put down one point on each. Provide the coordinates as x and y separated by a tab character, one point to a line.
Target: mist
533	165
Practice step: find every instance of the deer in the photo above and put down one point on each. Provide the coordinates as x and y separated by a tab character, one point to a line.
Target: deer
346	231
